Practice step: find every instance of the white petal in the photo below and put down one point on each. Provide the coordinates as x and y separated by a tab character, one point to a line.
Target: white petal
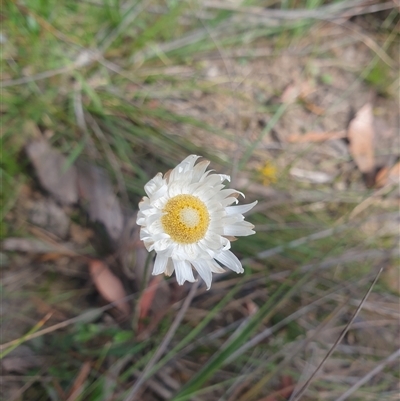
215	267
144	234
145	204
191	251
227	192
228	201
211	241
213	180
183	271
152	218
160	264
187	252
206	193
148	244
240	229
204	271
226	243
160	202
228	259
240	209
232	220
147	211
183	167
205	175
159	193
162	244
176	188
199	170
224	177
188	163
156	227
169	268
141	220
154	185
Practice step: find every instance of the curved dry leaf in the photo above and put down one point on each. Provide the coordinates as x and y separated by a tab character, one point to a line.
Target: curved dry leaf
381	177
50	169
103	206
394	174
361	137
147	299
290	94
388	175
109	285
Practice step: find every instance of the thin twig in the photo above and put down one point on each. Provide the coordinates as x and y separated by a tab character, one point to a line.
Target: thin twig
164	344
330	352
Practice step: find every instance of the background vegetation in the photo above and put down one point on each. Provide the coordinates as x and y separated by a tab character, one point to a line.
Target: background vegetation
134	87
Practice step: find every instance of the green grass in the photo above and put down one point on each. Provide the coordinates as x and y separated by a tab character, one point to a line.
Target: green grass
129	128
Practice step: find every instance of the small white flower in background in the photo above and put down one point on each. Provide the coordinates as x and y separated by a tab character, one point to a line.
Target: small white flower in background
187	219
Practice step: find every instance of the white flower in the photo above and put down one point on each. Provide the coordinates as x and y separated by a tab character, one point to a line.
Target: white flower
187	219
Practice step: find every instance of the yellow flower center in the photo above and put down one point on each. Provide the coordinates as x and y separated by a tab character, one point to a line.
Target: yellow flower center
185	219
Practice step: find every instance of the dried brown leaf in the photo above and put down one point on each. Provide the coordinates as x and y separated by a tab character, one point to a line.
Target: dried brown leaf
394	174
296	90
146	300
361	137
132	253
50	169
381	177
109	285
290	94
103	206
153	304
319	111
80	235
81	181
388	175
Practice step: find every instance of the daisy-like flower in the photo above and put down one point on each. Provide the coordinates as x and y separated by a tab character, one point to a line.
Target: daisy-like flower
187	218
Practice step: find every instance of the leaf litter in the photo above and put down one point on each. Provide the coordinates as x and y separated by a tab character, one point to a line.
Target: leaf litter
82	182
55	177
90	186
97	193
109	285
